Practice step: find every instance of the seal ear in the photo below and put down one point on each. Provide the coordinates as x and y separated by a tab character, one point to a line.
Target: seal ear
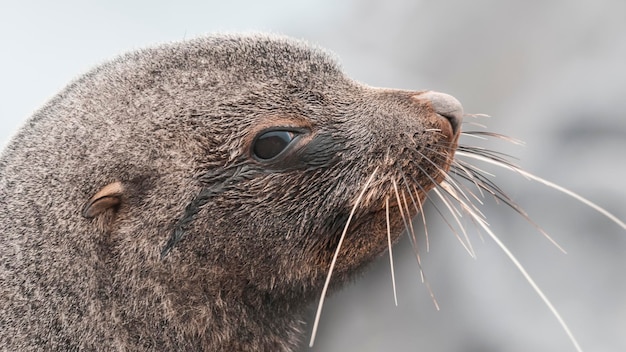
106	198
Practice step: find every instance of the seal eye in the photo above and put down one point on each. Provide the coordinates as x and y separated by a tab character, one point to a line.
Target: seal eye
270	144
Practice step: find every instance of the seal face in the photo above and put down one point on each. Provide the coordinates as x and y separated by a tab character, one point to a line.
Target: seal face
191	196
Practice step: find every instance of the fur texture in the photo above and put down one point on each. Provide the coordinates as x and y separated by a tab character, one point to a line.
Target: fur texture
202	246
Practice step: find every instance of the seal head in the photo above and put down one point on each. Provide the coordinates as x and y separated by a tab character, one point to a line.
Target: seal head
191	196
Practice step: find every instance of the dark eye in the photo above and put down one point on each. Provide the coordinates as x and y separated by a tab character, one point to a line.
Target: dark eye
271	143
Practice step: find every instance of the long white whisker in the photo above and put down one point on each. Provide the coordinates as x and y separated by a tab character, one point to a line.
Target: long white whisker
416	251
528	278
473	123
484	134
393	275
410	221
447	223
465	206
499	195
458	187
406	221
469	249
453	211
405	217
421	211
430	292
334	261
476	115
413	198
551	185
419	260
474	167
471	178
417	204
453	182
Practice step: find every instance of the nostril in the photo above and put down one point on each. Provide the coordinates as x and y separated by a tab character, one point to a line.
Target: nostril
444	105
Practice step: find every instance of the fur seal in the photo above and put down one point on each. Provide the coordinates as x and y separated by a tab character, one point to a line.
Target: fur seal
191	196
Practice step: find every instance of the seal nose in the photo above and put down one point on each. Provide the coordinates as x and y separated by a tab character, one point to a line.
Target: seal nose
444	105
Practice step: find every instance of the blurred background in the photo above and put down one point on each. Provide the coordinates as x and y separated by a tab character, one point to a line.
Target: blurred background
552	74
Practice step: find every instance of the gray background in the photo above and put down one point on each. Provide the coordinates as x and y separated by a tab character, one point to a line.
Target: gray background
550	73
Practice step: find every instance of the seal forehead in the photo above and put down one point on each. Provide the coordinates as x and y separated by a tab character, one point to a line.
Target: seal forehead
250	57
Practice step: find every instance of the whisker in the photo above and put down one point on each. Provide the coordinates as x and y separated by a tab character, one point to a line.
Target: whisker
466	167
457	187
454	212
477	177
406	208
499	195
473	123
528	278
430	292
451	191
410	221
404	217
417	203
481	176
452	209
450	179
393	275
472	180
406	184
480	221
561	189
472	177
334	260
415	246
419	260
421	211
495	135
491	154
443	217
476	115
410	233
470	203
467	246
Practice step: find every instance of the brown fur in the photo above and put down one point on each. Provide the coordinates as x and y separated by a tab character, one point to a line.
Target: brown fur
197	245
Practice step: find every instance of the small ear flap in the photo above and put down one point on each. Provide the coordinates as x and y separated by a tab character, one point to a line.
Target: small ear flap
108	197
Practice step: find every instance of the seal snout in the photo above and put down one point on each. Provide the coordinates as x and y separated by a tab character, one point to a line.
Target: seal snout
445	105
